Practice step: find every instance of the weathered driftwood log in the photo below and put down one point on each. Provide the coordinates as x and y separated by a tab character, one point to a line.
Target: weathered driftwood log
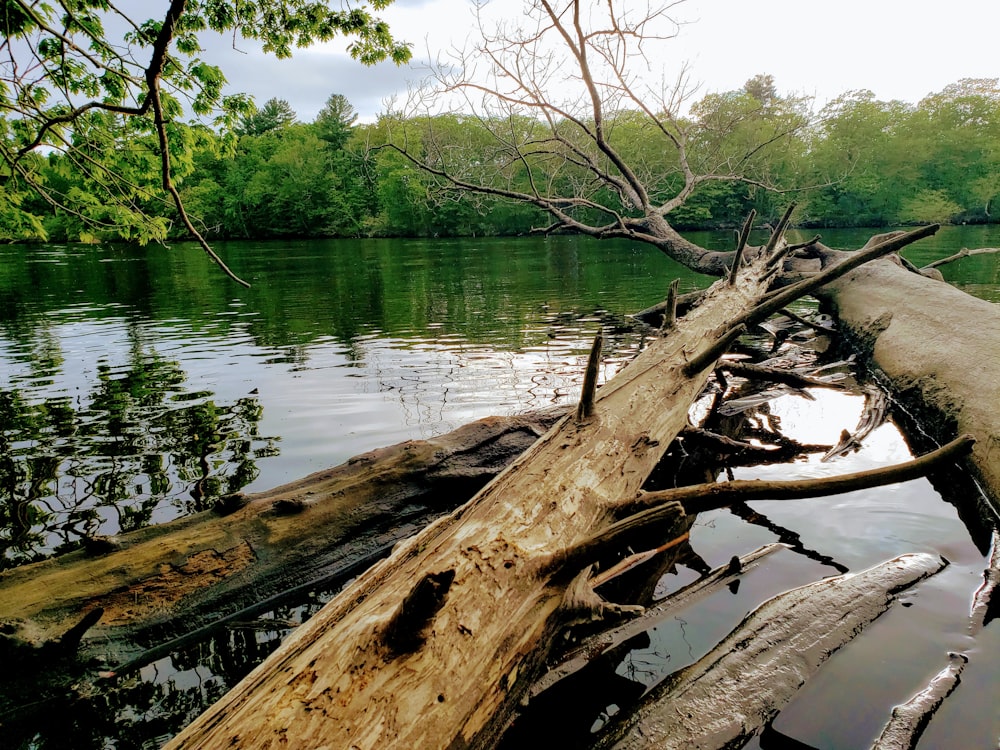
906	324
484	591
515	576
166	581
909	719
730	694
985	602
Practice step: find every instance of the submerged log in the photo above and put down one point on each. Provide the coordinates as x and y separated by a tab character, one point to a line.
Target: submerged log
730	694
909	720
166	581
985	603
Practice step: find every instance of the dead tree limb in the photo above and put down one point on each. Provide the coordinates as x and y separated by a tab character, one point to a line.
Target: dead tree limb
591	647
741	245
909	720
963	253
806	322
786	377
702	497
776	300
772	252
731	693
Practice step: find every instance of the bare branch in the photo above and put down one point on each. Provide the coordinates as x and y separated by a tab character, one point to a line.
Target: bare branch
963	253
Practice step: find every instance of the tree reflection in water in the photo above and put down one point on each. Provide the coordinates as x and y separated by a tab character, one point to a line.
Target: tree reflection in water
137	449
145	707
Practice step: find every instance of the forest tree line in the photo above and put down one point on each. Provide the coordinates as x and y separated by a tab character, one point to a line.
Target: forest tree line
859	161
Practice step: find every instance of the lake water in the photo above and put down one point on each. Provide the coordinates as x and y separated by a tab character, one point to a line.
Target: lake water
137	385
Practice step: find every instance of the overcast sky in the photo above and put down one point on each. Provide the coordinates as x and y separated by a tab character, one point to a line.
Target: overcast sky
900	49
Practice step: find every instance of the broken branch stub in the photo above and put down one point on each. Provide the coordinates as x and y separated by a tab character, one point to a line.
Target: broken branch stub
741	244
776	236
585	409
670	309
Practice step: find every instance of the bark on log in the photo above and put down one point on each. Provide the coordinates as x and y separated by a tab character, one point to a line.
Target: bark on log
730	694
937	349
485	633
166	581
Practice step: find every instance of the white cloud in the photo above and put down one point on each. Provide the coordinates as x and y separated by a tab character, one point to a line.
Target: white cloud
899	49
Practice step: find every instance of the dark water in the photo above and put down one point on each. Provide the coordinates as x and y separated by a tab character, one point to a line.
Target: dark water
138	385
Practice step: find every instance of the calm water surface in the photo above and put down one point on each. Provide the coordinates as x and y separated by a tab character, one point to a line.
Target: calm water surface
139	385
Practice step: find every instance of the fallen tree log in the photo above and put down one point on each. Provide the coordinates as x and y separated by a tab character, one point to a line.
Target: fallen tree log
435	646
164	582
906	325
909	719
504	577
731	693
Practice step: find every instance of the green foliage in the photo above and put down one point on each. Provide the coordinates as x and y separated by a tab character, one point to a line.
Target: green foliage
334	121
864	162
276	114
929	207
91	103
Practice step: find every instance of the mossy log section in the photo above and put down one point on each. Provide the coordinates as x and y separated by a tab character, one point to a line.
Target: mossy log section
166	581
731	693
484	590
937	349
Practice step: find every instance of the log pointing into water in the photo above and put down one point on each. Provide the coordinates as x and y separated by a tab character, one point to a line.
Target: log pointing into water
909	720
164	582
730	694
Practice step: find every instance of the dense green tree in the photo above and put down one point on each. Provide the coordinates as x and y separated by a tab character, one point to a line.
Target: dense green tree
335	120
858	162
276	114
955	134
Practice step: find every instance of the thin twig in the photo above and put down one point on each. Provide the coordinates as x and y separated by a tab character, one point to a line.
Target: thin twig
963	253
